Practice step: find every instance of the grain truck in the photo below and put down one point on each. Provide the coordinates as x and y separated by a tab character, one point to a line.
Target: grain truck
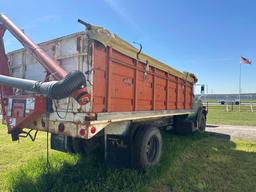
92	89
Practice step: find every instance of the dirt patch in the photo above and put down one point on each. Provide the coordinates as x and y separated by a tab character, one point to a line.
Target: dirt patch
238	132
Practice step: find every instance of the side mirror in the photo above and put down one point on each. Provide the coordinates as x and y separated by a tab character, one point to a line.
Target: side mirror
202	89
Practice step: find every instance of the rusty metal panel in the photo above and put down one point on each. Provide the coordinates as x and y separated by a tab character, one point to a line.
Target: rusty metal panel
122	84
100	78
189	96
145	89
160	93
181	95
135	90
172	87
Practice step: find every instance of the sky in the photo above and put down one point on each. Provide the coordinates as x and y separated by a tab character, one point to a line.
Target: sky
205	37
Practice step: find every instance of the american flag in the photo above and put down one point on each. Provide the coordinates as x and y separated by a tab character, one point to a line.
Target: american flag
243	60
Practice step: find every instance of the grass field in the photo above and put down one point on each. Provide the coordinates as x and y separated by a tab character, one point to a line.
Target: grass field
219	115
248	101
200	162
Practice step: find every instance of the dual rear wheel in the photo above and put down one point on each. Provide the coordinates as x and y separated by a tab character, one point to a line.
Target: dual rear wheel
147	147
147	144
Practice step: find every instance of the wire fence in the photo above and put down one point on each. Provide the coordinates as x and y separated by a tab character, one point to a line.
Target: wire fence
243	107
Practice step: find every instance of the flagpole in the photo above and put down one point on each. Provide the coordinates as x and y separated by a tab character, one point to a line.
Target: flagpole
243	60
239	91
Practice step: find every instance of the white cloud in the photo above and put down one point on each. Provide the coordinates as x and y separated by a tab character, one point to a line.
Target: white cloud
123	14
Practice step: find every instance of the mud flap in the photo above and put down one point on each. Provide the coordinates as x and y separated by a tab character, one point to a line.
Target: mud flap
119	151
183	125
61	143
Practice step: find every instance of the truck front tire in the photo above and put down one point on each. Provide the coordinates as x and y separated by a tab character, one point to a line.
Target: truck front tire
202	123
148	147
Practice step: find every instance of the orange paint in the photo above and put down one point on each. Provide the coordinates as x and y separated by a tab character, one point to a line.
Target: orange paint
122	83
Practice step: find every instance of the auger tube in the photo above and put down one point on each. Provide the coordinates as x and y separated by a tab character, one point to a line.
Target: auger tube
52	89
41	56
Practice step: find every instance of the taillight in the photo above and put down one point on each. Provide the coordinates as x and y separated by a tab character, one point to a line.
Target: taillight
82	132
93	130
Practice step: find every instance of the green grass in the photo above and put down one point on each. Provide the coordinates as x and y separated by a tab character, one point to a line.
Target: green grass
219	115
15	154
217	165
199	162
248	101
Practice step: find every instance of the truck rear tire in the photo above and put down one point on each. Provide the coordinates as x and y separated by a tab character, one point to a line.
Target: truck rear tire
148	147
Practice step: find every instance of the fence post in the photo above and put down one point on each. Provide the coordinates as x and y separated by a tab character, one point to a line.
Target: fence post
226	107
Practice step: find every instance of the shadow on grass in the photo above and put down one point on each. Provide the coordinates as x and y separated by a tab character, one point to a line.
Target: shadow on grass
212	126
220	136
89	173
217	164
